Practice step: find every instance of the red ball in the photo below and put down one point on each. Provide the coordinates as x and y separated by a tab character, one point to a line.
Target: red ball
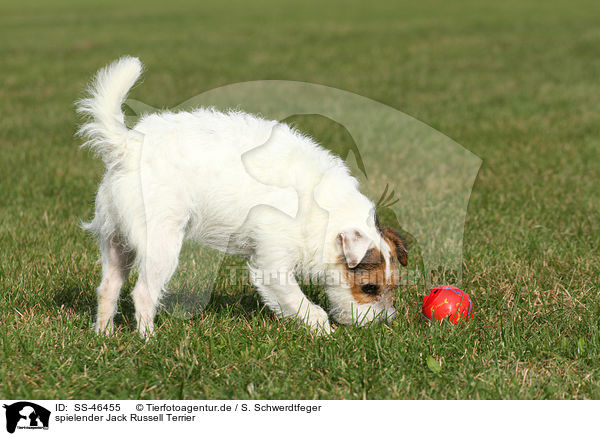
447	301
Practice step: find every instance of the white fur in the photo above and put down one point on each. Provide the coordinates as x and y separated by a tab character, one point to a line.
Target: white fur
232	181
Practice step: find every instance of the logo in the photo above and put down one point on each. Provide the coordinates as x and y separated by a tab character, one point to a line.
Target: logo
387	151
26	415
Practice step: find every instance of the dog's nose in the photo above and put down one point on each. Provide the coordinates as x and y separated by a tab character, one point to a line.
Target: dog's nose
390	314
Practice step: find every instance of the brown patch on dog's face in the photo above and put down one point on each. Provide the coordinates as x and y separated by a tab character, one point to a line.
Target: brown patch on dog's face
368	281
393	238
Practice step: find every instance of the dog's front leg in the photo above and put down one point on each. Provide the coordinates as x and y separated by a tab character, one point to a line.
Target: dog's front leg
282	294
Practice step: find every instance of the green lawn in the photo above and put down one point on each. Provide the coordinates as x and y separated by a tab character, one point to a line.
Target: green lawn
517	83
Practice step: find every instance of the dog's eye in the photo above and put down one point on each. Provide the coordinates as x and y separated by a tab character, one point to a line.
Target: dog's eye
370	289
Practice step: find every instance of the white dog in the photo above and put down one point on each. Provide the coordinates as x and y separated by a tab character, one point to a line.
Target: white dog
241	184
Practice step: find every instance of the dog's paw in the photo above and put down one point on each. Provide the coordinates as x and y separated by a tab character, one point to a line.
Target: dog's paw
322	329
318	321
103	327
145	329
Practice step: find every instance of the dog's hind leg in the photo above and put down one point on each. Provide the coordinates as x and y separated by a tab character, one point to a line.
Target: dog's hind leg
115	269
157	262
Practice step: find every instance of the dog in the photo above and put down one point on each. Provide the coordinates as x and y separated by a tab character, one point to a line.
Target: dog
241	184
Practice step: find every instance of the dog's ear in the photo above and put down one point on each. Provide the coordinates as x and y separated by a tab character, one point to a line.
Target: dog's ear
397	242
354	246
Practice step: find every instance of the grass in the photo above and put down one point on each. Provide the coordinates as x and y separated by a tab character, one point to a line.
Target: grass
517	83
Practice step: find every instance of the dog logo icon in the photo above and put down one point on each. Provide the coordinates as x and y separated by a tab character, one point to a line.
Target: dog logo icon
26	415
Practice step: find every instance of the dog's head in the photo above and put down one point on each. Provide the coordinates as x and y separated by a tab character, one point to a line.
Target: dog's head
368	266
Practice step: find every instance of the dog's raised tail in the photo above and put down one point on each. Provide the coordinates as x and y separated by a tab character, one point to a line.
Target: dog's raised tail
105	129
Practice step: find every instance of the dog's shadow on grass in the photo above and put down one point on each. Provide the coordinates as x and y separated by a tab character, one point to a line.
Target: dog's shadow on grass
219	302
79	296
225	296
74	295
